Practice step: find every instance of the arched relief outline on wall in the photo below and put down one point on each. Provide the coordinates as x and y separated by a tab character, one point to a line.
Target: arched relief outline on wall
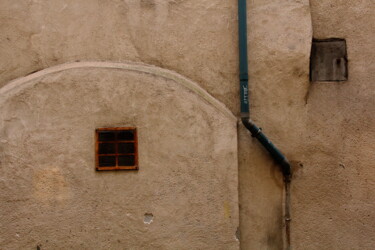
17	85
188	144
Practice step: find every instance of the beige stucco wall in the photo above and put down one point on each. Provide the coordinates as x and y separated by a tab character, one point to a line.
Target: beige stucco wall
195	38
334	196
279	49
325	129
53	197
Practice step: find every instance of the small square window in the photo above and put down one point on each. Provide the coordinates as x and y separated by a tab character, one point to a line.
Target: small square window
328	61
116	149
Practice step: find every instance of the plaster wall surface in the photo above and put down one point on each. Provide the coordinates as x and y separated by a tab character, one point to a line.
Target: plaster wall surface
333	188
52	197
279	49
325	129
196	38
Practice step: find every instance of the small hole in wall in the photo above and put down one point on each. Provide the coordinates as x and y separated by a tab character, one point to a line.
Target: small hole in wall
148	219
238	234
328	60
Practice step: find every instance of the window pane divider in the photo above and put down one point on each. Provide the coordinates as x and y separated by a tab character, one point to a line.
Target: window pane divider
116	158
116	154
116	141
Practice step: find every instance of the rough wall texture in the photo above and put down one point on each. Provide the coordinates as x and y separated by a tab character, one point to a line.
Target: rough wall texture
334	195
325	129
196	38
192	37
53	198
279	50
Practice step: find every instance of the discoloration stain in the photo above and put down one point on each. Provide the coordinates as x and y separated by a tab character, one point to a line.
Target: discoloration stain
50	185
148	4
307	95
227	210
299	72
175	2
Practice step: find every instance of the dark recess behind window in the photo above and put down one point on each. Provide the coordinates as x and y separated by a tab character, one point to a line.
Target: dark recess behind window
328	61
116	149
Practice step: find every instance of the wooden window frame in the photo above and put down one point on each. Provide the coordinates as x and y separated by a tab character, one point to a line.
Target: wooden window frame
116	142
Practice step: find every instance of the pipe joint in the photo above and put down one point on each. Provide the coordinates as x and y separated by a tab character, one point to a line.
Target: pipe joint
257	133
276	154
244	77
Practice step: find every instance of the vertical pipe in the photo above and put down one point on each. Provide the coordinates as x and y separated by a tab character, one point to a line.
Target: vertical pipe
244	76
245	115
244	94
287	214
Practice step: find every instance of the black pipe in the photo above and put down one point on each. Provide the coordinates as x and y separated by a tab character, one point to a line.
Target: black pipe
270	147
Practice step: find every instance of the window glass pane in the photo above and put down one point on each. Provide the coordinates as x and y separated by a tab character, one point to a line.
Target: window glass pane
126	135
126	148
107	148
107	135
126	160
107	161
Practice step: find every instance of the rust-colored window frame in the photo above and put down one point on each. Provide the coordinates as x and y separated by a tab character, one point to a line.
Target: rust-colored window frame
116	142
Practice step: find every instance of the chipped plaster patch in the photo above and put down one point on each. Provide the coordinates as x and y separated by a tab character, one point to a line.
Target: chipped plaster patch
149	218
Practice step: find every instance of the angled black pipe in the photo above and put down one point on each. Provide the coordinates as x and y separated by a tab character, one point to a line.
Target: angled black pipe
269	146
256	132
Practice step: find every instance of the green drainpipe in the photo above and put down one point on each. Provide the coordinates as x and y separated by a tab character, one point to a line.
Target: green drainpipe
245	114
256	132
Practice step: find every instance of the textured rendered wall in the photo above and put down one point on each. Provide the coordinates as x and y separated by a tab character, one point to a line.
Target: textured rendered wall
196	38
53	198
334	195
279	50
325	129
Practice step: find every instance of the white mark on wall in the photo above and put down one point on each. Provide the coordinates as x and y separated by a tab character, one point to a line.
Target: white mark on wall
149	218
64	7
237	234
